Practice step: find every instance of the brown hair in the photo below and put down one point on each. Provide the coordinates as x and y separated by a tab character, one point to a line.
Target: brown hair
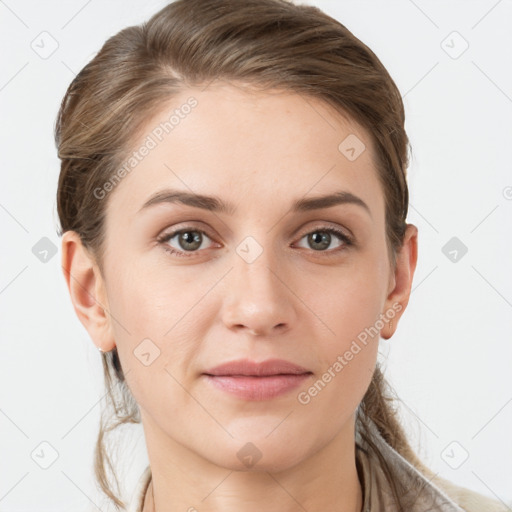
263	43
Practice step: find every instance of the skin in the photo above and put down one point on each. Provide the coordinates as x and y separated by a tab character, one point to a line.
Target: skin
260	151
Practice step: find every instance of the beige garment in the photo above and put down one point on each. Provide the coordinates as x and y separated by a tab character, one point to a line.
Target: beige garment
423	495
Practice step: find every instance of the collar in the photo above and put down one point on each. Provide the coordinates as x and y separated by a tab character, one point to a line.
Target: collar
418	492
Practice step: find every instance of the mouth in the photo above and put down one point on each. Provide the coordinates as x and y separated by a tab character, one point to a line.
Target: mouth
246	367
250	380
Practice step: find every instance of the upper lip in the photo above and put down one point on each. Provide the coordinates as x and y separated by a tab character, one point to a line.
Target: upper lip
252	368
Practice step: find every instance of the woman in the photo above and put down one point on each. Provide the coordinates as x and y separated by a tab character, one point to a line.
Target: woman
233	205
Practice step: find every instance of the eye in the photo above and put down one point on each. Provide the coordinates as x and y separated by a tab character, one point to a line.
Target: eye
320	239
189	240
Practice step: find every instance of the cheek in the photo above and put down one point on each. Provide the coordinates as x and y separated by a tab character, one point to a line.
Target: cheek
347	304
153	302
356	317
155	324
347	361
350	310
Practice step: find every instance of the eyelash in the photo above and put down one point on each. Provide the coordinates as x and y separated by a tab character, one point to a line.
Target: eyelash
164	238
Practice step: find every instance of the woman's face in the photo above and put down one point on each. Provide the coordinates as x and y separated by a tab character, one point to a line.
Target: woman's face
260	279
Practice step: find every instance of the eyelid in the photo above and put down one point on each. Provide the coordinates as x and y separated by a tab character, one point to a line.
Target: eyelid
190	225
325	226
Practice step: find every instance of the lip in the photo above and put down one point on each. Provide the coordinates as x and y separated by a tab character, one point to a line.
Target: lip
250	380
252	368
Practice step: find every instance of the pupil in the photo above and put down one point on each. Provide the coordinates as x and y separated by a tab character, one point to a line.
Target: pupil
324	239
190	239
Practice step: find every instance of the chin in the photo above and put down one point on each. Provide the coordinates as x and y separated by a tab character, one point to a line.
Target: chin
259	453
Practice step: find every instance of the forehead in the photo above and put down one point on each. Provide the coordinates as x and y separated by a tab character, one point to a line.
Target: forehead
248	145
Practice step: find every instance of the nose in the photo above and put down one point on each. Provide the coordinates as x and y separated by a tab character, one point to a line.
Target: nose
258	297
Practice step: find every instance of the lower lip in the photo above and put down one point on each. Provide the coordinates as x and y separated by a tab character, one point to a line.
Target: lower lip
257	388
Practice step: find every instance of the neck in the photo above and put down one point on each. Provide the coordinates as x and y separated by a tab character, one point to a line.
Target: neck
183	481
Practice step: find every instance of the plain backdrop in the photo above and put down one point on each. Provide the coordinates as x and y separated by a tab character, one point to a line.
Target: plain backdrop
450	359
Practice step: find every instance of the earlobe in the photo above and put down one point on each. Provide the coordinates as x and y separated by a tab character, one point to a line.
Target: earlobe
398	298
87	290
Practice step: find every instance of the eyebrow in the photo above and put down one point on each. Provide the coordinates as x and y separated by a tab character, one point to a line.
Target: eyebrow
215	204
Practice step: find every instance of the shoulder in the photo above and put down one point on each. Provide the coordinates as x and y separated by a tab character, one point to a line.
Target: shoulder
468	500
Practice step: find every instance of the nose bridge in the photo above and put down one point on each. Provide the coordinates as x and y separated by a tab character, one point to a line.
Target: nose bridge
257	298
256	267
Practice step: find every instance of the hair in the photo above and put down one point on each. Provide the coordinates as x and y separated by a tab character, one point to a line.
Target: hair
259	43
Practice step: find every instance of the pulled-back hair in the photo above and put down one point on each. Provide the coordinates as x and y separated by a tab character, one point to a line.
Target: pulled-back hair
262	43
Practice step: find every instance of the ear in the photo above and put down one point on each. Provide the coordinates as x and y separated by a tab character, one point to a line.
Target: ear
87	290
401	280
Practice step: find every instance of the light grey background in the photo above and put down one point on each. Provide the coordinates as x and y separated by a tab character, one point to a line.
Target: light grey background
451	357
